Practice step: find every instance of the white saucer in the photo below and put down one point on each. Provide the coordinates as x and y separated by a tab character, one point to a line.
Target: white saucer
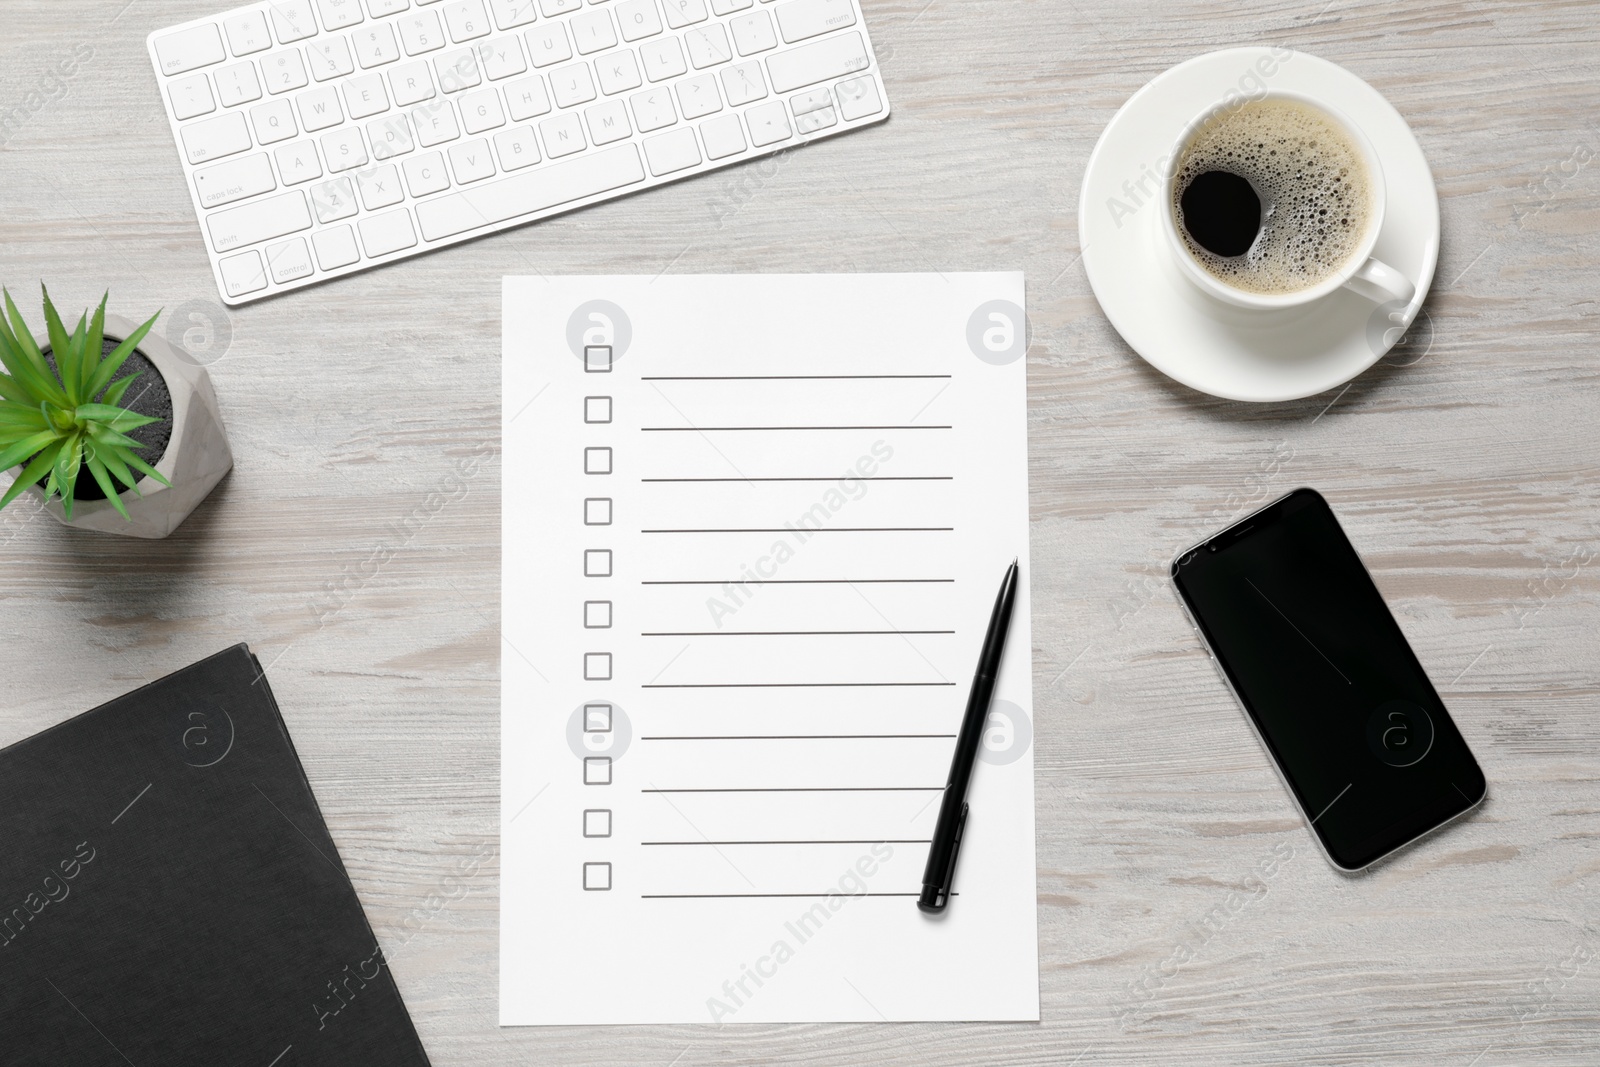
1202	342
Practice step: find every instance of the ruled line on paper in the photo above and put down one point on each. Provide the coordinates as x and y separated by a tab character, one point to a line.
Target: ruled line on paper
757	429
788	377
788	685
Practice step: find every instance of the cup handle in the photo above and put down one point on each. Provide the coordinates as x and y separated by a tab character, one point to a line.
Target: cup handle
1382	284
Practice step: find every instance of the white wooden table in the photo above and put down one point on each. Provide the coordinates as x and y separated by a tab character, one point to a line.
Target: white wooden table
345	552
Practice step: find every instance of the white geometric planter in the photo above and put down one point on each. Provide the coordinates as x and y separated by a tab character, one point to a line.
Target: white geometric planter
196	458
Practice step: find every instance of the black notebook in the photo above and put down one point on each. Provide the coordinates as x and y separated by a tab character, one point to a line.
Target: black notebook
169	894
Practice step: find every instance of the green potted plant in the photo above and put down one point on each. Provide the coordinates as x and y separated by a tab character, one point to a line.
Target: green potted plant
116	429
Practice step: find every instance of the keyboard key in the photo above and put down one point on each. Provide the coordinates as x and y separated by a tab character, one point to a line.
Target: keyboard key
698	96
769	123
592	31
191	96
652	110
471	162
242	274
329	58
215	138
501	58
482	111
618	72
809	64
526	98
334	200
420	32
292	20
517	148
548	44
344	149
247	33
572	85
608	122
298	162
337	14
562	135
708	46
273	121
435	123
812	121
800	19
426	174
186	50
858	98
681	13
509	14
728	7
662	59
319	109
411	83
558	7
276	216
284	71
336	247
723	135
669	152
238	84
810	100
380	187
289	260
530	191
390	136
234	180
384	234
375	45
743	83
638	19
752	33
380	8
466	20
364	96
458	70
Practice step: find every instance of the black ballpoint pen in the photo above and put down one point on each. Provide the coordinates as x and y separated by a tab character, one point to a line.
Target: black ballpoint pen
946	844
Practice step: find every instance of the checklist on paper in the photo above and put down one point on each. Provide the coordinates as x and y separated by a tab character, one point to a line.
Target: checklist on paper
752	531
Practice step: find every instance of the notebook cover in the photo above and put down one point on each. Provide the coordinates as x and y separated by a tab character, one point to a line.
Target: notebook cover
169	893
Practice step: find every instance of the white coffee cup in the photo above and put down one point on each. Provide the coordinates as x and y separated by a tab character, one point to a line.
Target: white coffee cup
1361	273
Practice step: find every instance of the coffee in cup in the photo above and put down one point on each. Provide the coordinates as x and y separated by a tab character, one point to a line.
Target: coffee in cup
1276	201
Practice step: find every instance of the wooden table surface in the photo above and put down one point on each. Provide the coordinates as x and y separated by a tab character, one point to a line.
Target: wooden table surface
346	552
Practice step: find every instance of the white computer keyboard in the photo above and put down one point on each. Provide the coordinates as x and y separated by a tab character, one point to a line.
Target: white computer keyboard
324	138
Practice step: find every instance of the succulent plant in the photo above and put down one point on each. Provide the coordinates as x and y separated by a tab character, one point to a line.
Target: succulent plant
69	416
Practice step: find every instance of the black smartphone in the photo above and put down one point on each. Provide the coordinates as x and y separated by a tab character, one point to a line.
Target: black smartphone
1338	698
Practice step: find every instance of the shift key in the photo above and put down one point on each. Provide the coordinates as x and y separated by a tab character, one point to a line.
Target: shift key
263	220
831	57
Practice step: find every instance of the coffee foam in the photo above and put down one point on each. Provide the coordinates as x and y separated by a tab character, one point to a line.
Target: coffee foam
1315	192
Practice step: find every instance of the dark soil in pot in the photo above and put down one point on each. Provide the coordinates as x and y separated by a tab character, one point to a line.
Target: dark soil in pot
147	396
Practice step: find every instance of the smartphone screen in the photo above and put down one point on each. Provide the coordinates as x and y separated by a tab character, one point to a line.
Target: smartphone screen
1321	667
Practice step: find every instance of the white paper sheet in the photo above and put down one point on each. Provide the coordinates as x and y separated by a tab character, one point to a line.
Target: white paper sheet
753	527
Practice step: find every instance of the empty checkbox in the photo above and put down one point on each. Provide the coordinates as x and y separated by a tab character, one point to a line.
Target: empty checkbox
597	822
597	876
597	359
597	718
597	461
597	511
597	666
596	409
597	563
597	770
597	614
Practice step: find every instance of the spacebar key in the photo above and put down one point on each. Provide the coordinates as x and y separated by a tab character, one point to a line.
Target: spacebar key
534	190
